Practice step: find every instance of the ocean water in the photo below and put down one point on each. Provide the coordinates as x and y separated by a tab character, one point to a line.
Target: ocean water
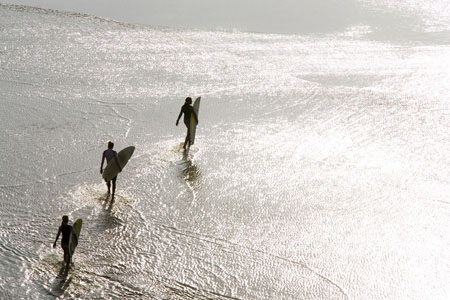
320	169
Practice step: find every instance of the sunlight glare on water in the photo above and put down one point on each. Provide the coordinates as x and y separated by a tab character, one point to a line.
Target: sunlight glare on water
318	170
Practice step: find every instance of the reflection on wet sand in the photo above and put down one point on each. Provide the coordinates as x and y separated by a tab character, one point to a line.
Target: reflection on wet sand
191	172
61	282
106	219
107	202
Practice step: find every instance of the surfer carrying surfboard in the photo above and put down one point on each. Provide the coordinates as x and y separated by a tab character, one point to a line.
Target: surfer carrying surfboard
109	154
66	231
187	110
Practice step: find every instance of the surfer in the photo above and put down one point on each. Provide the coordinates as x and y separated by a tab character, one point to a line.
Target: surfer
187	110
66	231
110	154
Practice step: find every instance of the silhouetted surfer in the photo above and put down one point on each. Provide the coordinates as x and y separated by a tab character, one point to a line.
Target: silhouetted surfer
66	231
187	110
110	154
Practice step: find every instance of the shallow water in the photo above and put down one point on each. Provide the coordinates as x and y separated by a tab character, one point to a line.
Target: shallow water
319	169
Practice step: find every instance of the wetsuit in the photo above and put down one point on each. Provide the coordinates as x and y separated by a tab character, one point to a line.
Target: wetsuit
66	231
110	154
187	110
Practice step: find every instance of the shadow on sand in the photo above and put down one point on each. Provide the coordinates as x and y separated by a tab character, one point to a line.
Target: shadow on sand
106	219
61	282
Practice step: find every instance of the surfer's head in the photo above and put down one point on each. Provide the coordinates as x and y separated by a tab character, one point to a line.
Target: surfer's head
189	100
110	145
65	219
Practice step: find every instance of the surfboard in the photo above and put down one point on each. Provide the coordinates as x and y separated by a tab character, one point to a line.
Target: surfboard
112	169
193	123
73	242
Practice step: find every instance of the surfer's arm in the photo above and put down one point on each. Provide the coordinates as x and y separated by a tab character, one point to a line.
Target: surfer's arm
57	237
179	116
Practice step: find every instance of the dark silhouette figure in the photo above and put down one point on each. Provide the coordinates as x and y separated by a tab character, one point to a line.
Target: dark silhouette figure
110	154
187	110
66	231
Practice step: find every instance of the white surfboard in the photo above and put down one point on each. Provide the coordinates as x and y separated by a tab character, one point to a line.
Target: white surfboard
73	242
112	169
193	123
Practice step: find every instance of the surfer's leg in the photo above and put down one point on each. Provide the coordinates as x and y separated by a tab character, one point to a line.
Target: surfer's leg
188	137
108	184
66	254
114	185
